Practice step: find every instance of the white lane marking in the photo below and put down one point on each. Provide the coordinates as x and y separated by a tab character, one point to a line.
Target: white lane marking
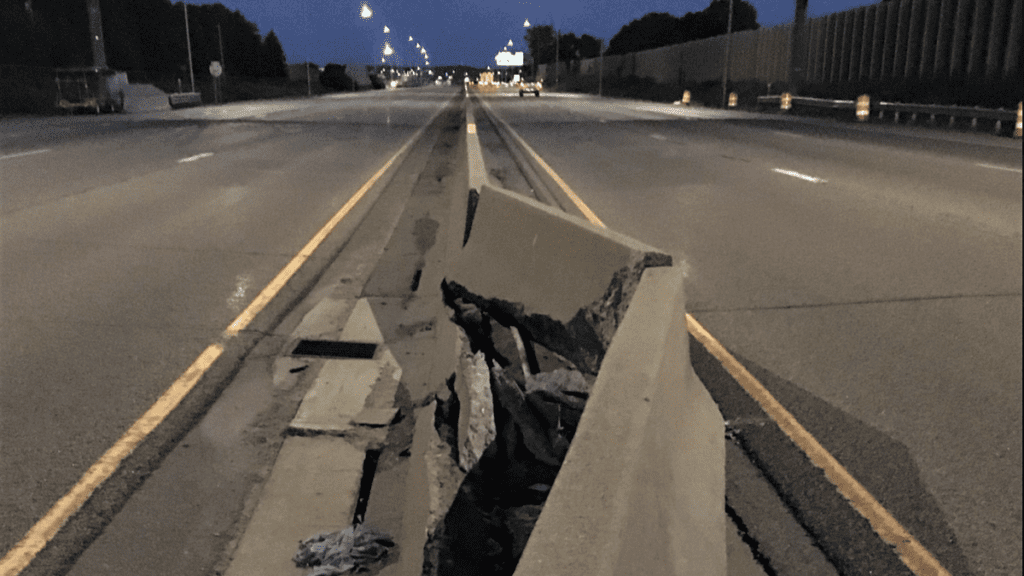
20	154
994	167
659	137
196	157
799	175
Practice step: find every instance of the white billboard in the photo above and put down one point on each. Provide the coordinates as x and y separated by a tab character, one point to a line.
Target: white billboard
506	58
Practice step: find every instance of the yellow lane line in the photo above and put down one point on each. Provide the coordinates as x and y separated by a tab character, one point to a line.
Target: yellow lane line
271	290
911	552
587	212
46	528
19	557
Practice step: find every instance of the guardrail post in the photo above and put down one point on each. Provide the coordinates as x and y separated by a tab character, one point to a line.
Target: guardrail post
863	107
733	99
686	97
786	101
1020	120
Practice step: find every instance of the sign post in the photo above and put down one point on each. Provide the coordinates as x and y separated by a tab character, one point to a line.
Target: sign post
216	70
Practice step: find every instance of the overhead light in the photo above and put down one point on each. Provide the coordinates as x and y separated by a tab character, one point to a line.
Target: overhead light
527	23
387	30
366	12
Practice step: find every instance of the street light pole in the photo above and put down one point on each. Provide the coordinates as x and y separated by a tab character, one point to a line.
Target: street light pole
188	40
725	67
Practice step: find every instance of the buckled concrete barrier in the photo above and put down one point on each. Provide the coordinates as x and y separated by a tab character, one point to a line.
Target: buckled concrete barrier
642	487
185	99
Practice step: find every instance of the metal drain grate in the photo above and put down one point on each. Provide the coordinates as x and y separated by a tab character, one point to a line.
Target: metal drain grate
334	349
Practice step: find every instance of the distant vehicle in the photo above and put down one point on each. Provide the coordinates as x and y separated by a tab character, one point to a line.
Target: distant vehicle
525	87
91	89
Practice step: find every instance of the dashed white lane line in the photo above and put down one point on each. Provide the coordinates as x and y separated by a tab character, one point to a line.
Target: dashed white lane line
799	175
20	154
994	167
196	157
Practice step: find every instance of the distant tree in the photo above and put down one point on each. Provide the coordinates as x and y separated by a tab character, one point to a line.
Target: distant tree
335	78
272	60
589	46
662	29
649	31
541	40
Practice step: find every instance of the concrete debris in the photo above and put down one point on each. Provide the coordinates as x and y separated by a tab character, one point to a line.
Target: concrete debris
476	407
347	551
583	340
514	427
532	419
561	380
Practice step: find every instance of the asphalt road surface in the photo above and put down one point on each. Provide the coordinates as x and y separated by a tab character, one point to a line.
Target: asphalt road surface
128	243
870	278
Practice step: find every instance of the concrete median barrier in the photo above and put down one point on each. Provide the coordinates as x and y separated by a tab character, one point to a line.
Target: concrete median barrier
641	487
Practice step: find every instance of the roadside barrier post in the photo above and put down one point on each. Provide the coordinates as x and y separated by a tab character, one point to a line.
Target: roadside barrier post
1020	120
863	107
686	101
786	101
733	99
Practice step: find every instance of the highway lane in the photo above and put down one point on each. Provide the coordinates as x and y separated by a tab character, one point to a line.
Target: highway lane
872	276
129	243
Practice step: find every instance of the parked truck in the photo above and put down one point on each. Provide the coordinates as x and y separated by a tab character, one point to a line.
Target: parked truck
91	89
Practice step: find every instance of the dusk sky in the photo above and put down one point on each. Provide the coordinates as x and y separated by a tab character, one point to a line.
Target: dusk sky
466	32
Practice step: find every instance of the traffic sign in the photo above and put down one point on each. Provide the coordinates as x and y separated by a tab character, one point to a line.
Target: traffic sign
215	69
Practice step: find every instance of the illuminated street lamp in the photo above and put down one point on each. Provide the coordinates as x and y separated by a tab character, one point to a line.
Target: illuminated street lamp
387	30
366	12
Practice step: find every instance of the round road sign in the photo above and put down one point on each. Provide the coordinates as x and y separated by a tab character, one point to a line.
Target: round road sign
215	69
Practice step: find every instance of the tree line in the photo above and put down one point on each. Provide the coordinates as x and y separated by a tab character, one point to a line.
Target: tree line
139	35
652	30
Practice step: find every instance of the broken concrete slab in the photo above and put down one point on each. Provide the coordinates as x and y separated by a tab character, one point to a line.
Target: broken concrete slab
342	389
313	488
324	320
563	280
362	325
339	393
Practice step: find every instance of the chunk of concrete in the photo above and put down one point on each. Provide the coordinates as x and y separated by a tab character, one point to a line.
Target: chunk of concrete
476	407
642	488
338	398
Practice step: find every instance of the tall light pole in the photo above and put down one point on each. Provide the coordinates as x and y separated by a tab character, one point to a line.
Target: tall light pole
725	67
188	41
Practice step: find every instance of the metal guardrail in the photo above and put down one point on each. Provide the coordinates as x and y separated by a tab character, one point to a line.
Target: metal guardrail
184	99
897	108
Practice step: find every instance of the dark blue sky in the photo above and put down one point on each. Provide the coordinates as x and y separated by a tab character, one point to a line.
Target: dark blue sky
461	31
